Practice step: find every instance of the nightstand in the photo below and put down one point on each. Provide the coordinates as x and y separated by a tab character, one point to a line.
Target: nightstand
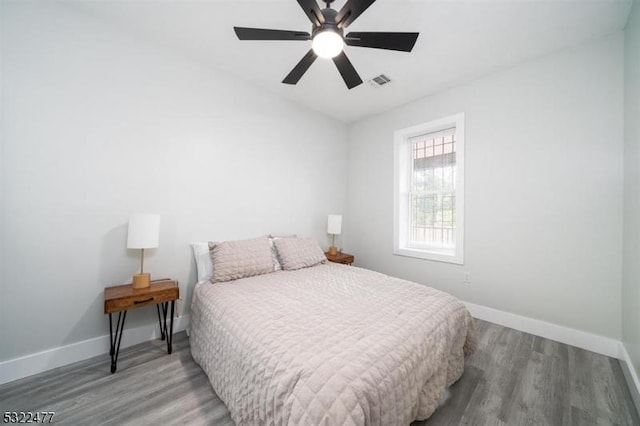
344	258
121	298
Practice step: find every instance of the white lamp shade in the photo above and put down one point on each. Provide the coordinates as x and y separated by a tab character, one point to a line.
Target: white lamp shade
144	231
334	224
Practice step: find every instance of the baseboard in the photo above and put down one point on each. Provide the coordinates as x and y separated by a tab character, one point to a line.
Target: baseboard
29	365
631	375
591	342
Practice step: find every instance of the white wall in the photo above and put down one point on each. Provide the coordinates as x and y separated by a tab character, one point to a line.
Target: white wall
97	125
543	189
631	264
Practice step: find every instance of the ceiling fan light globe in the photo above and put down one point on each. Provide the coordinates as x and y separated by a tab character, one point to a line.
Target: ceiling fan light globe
327	44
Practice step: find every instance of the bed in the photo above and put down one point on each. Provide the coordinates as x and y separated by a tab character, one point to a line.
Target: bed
328	344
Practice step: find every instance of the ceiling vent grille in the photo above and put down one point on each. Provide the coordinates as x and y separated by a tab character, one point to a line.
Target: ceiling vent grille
379	81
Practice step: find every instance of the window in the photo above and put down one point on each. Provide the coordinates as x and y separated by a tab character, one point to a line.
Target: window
429	190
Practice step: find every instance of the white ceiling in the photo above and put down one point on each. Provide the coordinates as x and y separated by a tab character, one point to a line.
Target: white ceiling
459	41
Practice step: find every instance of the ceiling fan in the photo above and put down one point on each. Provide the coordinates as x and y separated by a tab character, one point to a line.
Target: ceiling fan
328	39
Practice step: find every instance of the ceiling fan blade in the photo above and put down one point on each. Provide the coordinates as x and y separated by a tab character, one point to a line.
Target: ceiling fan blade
313	12
403	42
347	71
350	11
263	34
298	71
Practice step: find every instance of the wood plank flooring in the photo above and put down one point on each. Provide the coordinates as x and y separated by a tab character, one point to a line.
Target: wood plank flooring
513	378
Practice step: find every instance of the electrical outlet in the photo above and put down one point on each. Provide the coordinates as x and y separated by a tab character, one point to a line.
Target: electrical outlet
466	277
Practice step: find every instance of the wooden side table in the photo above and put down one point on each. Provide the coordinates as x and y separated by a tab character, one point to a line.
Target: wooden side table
344	258
121	298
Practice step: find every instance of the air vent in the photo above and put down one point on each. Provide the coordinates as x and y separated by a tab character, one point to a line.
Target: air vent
380	80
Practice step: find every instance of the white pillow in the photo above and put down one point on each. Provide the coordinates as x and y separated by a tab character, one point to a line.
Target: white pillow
204	266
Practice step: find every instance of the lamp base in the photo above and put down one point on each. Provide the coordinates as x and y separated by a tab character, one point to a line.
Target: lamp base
141	280
333	250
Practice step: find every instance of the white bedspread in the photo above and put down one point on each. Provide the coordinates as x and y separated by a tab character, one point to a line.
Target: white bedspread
329	345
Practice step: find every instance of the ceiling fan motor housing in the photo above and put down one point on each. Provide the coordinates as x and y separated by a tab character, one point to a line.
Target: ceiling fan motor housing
329	23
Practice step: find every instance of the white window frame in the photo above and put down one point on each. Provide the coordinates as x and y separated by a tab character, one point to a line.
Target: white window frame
401	171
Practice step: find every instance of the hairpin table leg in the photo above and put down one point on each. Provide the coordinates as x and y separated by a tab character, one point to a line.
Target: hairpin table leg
115	340
170	335
162	329
163	325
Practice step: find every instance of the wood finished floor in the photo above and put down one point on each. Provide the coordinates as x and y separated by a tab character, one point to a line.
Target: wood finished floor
513	378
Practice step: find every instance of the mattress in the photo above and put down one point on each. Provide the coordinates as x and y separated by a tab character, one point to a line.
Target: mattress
329	345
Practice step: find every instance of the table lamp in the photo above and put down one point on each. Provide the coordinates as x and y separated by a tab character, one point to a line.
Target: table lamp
144	233
334	227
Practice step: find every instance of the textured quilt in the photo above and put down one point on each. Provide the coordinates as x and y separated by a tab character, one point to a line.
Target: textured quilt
329	345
